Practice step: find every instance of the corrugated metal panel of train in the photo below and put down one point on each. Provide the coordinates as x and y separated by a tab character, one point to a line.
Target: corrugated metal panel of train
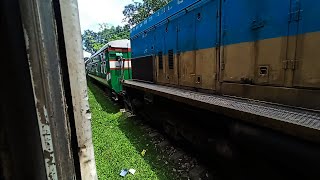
264	50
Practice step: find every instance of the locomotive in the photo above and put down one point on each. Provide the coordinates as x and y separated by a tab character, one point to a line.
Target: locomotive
261	55
255	62
252	67
262	50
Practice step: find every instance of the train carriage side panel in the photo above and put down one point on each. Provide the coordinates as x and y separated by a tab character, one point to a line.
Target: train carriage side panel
170	51
263	50
190	41
253	49
306	64
160	63
143	61
185	44
186	41
207	25
142	58
114	71
119	69
271	47
127	70
111	64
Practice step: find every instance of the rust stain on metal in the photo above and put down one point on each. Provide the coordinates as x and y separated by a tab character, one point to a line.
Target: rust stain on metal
44	126
47	145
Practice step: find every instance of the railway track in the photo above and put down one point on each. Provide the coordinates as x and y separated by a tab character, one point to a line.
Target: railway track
186	162
205	145
177	152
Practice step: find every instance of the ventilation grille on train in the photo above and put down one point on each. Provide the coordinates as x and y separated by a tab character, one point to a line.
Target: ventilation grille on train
160	60
170	54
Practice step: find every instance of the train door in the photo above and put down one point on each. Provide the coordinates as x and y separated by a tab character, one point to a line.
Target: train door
254	41
306	63
185	49
206	44
118	71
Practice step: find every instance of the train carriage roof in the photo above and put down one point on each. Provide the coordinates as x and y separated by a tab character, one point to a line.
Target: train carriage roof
123	43
172	9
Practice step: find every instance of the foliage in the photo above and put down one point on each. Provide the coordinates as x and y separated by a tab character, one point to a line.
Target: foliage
136	12
118	143
93	41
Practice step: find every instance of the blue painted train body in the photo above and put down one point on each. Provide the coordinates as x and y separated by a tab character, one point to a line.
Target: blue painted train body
254	61
240	48
177	26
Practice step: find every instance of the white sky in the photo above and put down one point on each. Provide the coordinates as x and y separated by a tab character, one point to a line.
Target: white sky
94	12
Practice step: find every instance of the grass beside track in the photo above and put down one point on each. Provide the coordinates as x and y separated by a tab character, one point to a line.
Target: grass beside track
118	143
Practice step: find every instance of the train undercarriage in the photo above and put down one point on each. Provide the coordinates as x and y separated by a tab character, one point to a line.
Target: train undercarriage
245	145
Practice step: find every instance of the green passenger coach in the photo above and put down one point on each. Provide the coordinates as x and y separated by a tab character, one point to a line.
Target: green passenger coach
111	64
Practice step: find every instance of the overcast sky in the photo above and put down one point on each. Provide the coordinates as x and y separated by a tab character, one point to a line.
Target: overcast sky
93	12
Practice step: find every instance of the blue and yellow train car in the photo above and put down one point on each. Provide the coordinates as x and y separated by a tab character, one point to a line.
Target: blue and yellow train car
263	50
252	67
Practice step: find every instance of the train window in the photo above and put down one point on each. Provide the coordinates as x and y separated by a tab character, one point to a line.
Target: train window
101	68
160	60
104	67
107	66
170	59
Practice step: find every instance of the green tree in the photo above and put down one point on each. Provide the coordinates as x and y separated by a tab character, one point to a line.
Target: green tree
90	41
93	41
136	12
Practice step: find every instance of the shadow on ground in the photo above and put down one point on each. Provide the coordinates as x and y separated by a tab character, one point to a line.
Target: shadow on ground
101	97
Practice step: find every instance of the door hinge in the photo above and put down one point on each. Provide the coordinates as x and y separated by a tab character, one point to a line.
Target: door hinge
215	76
290	64
294	64
223	65
285	64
